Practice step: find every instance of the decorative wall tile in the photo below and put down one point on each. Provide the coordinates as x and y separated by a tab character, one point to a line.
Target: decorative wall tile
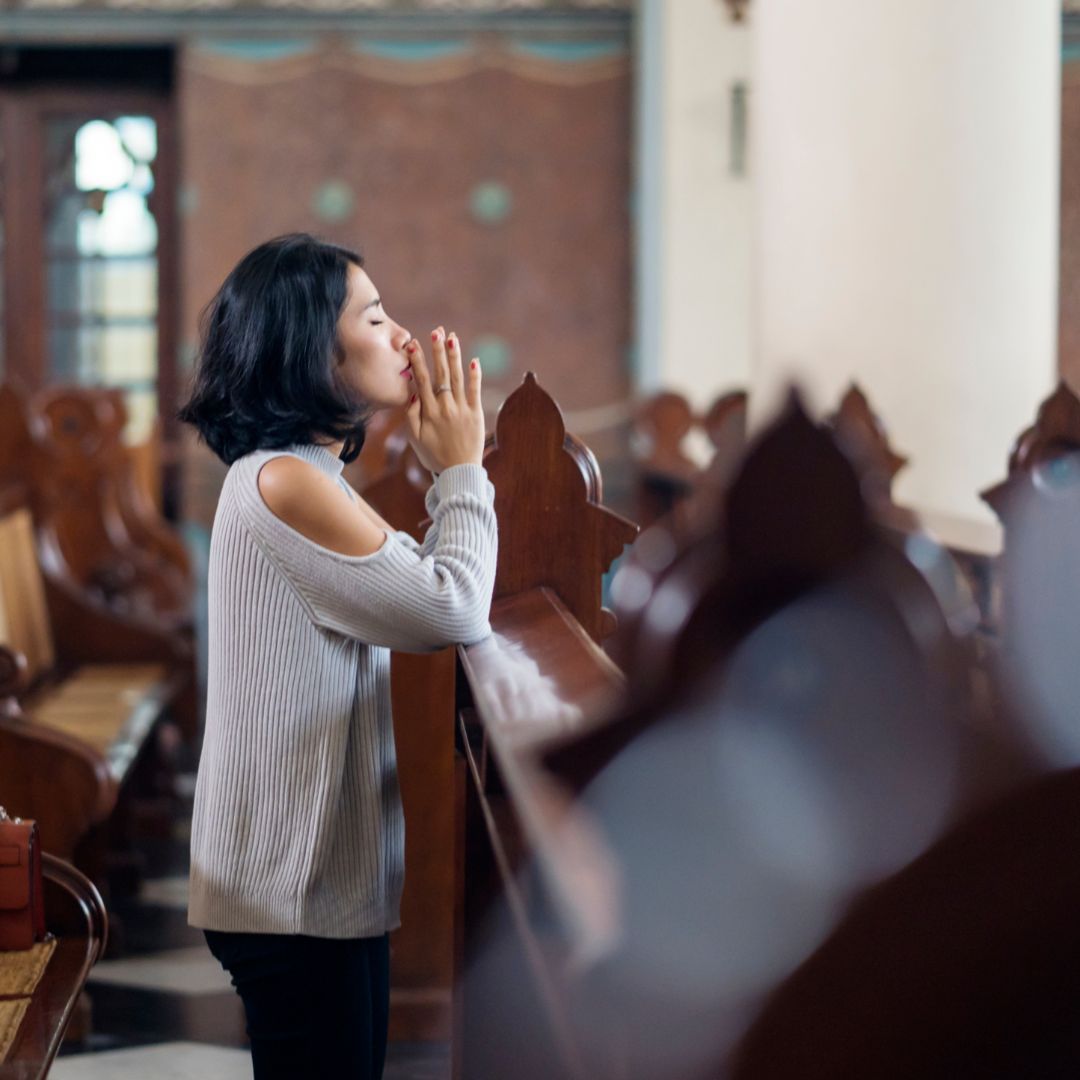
333	201
490	202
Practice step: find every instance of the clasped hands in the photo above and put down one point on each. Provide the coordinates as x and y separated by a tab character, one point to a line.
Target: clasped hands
445	416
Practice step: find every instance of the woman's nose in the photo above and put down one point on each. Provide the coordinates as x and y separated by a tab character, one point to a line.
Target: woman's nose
402	337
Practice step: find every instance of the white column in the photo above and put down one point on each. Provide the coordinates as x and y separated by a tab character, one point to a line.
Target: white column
694	216
907	225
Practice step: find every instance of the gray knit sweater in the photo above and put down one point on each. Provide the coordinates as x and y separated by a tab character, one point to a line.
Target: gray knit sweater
297	827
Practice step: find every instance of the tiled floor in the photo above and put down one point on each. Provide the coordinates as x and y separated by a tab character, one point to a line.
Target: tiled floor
162	1007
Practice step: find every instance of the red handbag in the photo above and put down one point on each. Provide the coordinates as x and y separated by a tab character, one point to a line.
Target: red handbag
22	903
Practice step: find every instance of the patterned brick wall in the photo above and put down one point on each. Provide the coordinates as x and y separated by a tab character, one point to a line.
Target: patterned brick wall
487	183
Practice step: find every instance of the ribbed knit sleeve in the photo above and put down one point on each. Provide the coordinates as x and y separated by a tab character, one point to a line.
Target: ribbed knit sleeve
403	596
425	548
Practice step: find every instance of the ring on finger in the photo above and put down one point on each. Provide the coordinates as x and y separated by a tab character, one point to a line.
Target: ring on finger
440	389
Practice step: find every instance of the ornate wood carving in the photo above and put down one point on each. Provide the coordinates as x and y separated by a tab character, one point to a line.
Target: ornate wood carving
552	532
83	483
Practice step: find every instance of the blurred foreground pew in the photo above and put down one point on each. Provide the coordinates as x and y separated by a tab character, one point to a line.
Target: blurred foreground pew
973	546
648	858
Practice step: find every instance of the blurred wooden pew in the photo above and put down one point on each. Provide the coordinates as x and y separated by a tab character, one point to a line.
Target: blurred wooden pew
75	914
96	656
670	477
90	502
83	689
797	616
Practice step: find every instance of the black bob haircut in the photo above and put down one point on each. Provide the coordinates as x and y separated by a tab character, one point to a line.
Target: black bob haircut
266	372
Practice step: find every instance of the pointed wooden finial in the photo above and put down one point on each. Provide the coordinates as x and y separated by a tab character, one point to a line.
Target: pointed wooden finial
552	531
862	437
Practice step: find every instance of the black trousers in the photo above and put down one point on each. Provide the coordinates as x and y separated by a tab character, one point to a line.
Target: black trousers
316	1008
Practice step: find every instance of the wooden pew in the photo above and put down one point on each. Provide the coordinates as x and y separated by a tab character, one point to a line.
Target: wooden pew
75	914
959	966
670	480
86	497
556	540
977	934
557	888
101	548
83	689
432	776
1038	504
973	545
422	694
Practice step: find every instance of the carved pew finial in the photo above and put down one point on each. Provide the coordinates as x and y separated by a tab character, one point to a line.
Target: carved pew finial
1053	437
862	436
795	512
552	531
661	425
792	515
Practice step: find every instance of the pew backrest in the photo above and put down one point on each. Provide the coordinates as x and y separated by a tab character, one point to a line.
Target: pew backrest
24	615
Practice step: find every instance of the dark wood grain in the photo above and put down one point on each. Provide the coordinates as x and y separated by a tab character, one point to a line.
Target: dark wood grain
551	531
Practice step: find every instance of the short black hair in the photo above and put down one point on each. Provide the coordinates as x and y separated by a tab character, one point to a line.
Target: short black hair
266	375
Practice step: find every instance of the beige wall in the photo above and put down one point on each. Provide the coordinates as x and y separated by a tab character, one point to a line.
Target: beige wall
705	233
907	180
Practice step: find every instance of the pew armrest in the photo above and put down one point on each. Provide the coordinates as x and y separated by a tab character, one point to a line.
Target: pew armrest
58	780
539	682
76	915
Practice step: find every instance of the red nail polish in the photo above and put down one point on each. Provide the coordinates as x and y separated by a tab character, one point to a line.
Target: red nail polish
434	335
473	365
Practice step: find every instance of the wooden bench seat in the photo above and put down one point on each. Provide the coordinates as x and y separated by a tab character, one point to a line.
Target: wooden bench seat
83	689
75	914
110	706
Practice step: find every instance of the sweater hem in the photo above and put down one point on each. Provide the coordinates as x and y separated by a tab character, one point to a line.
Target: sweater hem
203	918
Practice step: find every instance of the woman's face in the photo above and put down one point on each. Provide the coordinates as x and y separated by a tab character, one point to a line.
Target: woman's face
372	345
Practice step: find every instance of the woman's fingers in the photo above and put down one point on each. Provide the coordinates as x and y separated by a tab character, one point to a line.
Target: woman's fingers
457	379
438	353
473	391
412	416
421	375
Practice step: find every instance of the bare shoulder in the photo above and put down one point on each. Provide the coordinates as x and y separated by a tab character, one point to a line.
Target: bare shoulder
315	505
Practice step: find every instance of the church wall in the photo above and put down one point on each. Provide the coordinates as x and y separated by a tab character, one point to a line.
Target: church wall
699	296
486	180
907	237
